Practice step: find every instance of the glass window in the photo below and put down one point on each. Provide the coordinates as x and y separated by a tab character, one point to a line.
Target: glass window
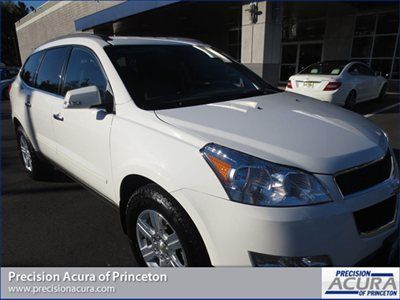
384	46
309	54
311	30
354	69
382	65
388	23
30	67
361	47
396	73
365	25
365	70
49	75
295	30
289	54
325	68
168	76
83	70
287	71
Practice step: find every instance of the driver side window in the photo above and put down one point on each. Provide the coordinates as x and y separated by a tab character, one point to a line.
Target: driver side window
83	70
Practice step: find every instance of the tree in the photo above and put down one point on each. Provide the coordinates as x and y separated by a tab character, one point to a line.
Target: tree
11	12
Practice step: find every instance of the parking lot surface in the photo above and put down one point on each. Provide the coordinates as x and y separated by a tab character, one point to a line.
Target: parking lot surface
59	223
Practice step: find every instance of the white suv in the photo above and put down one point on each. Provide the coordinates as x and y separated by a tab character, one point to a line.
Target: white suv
209	164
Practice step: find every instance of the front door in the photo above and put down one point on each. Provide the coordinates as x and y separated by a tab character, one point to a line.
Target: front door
82	134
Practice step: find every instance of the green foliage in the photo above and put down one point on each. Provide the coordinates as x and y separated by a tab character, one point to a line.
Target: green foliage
11	12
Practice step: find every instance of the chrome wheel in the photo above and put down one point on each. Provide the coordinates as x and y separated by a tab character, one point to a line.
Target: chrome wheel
26	154
158	242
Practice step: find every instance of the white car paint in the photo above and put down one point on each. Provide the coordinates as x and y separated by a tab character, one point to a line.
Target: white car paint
101	149
366	86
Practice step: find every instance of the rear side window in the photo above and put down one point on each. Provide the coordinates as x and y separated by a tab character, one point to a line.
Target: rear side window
30	67
364	70
83	70
49	75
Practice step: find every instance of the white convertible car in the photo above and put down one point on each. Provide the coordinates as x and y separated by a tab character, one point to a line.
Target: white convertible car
342	83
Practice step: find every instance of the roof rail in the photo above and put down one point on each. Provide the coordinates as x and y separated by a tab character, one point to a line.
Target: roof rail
82	34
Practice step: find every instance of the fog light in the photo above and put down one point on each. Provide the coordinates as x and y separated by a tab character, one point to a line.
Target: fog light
264	260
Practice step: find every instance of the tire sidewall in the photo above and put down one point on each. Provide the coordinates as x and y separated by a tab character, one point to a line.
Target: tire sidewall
382	93
159	201
351	99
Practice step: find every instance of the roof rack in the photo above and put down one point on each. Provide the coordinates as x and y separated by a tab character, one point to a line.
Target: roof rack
105	38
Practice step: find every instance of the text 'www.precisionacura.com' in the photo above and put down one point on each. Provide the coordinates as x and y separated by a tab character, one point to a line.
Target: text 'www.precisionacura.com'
41	283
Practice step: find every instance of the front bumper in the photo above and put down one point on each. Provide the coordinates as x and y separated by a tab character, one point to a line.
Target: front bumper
231	230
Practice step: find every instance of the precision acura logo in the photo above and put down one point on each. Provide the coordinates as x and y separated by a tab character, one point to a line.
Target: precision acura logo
356	283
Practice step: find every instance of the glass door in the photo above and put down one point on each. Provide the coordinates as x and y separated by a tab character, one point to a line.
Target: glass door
309	54
297	56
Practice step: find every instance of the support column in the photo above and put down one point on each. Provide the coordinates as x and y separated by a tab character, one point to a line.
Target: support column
261	38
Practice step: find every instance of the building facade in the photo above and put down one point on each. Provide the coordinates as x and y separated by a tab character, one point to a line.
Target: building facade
274	39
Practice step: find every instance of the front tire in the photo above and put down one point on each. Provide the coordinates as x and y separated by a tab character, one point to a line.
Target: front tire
161	233
34	166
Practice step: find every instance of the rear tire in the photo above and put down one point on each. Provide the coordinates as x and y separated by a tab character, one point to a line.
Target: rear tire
149	204
382	93
351	100
36	168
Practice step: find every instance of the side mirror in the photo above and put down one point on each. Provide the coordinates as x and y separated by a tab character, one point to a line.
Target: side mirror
378	73
85	97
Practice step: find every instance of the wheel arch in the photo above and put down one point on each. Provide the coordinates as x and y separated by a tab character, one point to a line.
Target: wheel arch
128	186
16	123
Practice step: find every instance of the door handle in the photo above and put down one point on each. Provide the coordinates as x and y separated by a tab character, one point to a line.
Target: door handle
58	117
28	104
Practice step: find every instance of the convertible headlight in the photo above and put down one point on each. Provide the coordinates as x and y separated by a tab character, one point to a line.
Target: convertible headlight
251	180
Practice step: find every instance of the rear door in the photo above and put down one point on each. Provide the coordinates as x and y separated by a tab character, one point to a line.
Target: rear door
43	97
22	93
83	133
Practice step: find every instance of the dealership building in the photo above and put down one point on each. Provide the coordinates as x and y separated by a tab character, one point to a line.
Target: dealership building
274	39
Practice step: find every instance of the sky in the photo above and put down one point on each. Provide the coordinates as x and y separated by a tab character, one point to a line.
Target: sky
35	4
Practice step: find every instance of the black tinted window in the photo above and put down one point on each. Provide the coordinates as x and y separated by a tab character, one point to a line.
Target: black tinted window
364	70
49	74
354	69
83	70
30	67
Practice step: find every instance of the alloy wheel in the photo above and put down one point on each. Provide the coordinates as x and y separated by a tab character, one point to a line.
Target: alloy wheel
26	154
158	241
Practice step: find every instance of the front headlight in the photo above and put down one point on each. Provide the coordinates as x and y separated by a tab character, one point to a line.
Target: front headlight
251	180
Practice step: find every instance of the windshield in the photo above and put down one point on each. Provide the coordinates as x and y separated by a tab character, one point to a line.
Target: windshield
169	76
325	68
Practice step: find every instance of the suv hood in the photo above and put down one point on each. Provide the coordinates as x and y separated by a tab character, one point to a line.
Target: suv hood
285	128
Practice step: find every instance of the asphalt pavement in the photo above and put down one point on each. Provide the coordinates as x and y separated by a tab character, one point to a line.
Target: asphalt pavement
59	223
56	223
